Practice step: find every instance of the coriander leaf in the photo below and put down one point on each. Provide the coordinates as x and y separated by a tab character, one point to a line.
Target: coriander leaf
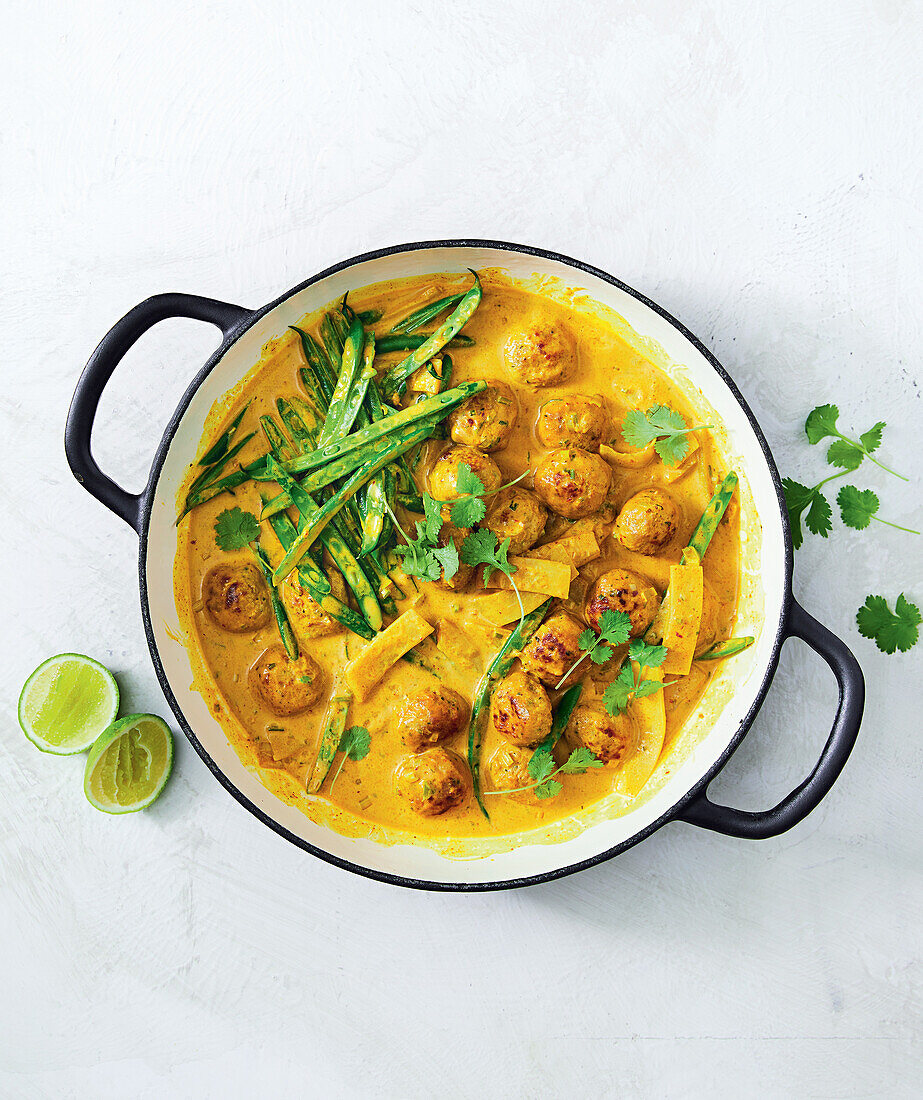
548	789
587	639
483	548
818	516
541	764
666	419
871	440
355	742
599	654
673	449
891	630
235	529
467	481
844	454
617	695
821	422
647	687
857	506
615	627
433	513
637	431
578	762
467	511
797	498
447	556
648	656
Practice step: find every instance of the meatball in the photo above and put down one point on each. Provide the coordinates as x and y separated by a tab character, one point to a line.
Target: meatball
431	716
459	580
622	590
485	421
508	769
574	421
443	477
236	597
647	522
607	736
307	616
521	710
541	355
553	648
285	686
519	516
432	782
573	482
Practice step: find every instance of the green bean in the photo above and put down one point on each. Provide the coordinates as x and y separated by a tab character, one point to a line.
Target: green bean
334	424
278	607
373	511
278	444
301	421
356	398
730	647
312	577
209	475
370	316
496	670
333	345
337	710
219	448
425	314
406	342
450	327
349	489
437	406
316	376
711	517
345	560
566	705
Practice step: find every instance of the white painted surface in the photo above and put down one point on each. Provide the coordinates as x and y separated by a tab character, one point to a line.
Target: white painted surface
755	171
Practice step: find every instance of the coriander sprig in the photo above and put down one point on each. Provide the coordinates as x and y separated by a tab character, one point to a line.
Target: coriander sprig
470	508
844	451
664	424
235	529
614	630
628	686
354	744
543	771
891	630
483	547
858	507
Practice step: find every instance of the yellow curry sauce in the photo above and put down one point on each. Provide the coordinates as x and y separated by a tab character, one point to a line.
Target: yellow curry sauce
283	748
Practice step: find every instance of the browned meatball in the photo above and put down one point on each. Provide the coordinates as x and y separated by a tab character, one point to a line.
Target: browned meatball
519	516
508	768
607	736
622	590
432	782
236	597
541	355
521	710
307	617
553	648
458	580
285	686
485	421
572	482
431	716
647	522
574	421
443	477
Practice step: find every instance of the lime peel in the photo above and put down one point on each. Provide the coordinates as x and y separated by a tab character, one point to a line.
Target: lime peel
67	702
129	764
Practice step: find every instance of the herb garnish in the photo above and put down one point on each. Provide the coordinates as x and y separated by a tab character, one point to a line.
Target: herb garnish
354	744
891	630
470	508
543	771
858	507
844	451
235	529
627	686
614	630
664	424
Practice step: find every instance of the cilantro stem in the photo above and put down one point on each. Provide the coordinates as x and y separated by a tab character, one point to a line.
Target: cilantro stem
868	454
897	526
575	665
531	786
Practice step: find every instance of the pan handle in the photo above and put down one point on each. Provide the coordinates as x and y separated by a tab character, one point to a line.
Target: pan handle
796	806
112	348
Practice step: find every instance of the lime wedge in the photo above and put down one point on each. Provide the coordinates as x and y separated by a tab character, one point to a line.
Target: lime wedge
129	764
67	702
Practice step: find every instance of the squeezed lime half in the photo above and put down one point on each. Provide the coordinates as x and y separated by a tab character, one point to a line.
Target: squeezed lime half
67	702
129	764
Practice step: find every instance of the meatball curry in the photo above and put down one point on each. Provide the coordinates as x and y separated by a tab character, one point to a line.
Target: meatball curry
456	561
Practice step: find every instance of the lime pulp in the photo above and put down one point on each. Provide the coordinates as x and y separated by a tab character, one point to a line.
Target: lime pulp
129	764
67	702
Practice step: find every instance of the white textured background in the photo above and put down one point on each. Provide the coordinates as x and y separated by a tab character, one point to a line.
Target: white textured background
756	168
